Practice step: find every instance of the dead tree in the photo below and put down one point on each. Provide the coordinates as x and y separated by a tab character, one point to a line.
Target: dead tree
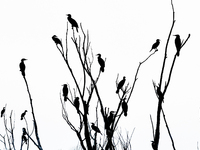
161	90
88	90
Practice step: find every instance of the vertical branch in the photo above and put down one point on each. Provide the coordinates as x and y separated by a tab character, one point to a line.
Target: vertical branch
33	114
157	131
166	46
11	131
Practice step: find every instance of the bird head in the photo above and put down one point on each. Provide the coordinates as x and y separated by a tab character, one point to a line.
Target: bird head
124	77
99	55
77	98
54	36
158	40
23	59
25	111
176	35
69	15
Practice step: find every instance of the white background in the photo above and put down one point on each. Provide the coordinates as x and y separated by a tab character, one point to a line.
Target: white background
123	32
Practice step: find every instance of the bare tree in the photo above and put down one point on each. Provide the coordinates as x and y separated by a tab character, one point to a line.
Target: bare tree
87	90
160	93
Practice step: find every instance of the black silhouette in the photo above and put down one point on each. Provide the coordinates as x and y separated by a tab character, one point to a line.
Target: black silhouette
57	41
77	104
22	66
85	106
95	128
155	45
72	21
23	114
65	92
178	44
110	118
120	84
101	62
124	107
3	111
24	138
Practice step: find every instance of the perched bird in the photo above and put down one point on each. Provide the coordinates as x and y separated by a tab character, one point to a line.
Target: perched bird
24	138
22	66
77	104
178	44
23	114
110	118
101	62
124	107
72	21
57	41
3	111
95	128
65	92
120	84
155	45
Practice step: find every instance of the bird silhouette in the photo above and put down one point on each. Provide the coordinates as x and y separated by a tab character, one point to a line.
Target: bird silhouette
101	62
72	21
110	118
24	138
95	128
65	92
124	107
23	114
178	44
120	84
57	41
3	111
22	66
155	45
77	104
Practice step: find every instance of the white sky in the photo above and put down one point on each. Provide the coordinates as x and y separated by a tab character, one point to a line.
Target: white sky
123	32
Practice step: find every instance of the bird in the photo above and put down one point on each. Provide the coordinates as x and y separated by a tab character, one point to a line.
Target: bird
22	66
101	62
3	111
24	138
77	104
178	44
23	114
110	118
124	107
120	84
65	92
95	128
155	45
72	21
57	41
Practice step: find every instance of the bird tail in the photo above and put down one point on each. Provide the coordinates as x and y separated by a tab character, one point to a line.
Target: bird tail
23	73
117	91
125	114
65	98
77	29
102	69
178	53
